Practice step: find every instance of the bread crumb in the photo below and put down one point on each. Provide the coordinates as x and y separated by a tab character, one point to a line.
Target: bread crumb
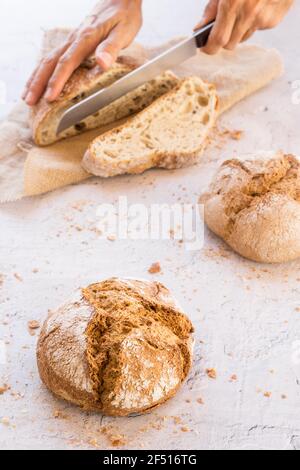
217	253
17	395
177	420
32	326
185	429
18	277
79	205
4	389
112	238
35	270
57	414
94	443
236	135
1	280
284	397
233	378
267	394
200	401
212	373
155	268
115	439
220	135
5	421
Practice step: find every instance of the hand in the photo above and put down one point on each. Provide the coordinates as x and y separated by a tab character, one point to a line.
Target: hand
237	20
111	27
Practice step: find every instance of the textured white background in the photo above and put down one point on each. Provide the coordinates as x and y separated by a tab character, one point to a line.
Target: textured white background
245	314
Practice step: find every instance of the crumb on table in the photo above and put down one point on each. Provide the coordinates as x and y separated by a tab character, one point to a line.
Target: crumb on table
155	268
212	373
4	388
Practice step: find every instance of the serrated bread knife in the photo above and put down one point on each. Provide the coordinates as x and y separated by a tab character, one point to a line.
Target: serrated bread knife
167	60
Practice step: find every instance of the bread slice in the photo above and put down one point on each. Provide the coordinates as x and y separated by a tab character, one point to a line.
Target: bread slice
171	133
85	81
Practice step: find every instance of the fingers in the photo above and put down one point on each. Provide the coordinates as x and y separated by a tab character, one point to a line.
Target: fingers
273	14
83	45
29	81
38	81
236	21
107	52
119	37
210	14
249	33
111	26
222	30
245	22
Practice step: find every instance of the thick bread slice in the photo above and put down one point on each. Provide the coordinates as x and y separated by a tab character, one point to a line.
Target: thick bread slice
86	80
171	133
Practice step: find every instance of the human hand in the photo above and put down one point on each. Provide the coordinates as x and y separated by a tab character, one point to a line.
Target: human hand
237	20
111	27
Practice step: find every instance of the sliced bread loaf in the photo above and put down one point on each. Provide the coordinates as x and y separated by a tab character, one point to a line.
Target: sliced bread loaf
85	81
171	133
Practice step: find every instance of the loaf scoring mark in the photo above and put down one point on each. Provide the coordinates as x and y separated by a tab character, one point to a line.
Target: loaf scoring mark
132	315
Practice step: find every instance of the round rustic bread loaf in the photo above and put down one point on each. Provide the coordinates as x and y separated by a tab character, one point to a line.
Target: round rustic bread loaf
254	205
121	347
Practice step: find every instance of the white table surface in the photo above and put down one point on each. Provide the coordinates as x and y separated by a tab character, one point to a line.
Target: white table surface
245	314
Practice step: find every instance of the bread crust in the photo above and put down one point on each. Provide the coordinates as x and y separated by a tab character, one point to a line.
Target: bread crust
102	356
61	353
254	205
84	79
87	79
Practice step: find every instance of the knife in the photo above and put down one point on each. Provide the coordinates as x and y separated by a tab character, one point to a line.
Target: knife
167	60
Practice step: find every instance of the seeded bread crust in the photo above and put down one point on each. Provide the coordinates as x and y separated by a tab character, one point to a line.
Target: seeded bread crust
121	347
87	79
254	205
171	133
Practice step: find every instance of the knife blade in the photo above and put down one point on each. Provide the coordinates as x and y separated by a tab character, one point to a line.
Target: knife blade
167	60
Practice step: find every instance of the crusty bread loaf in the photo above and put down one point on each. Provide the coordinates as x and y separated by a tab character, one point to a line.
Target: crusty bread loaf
87	79
171	133
120	347
254	205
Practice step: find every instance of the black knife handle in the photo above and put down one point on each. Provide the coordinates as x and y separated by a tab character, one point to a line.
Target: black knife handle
203	35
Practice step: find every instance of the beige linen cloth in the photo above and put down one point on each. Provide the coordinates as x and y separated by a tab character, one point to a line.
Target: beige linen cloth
26	170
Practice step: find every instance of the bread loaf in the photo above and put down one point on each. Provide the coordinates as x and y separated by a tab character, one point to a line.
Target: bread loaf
86	80
254	205
119	347
171	133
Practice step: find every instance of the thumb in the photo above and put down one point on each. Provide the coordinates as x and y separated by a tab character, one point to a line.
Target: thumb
107	52
210	14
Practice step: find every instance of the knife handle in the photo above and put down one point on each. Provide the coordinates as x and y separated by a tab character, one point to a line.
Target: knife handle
202	35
